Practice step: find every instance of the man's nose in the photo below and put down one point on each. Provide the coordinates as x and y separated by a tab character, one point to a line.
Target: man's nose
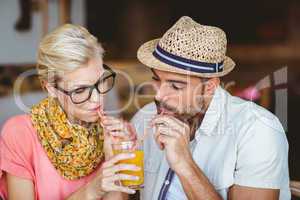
161	93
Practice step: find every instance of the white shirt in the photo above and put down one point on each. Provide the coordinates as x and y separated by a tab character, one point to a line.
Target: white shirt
176	191
238	142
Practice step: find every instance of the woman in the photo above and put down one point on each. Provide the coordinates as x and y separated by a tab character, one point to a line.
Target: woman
59	150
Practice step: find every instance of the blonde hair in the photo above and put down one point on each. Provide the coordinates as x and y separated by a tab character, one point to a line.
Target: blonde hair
65	49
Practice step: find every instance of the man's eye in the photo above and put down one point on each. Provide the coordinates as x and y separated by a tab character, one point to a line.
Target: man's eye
79	90
176	87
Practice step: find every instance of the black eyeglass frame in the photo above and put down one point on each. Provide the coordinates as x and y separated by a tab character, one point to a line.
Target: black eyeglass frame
92	87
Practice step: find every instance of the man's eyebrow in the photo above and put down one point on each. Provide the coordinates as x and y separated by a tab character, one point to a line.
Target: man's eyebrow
176	81
154	73
169	80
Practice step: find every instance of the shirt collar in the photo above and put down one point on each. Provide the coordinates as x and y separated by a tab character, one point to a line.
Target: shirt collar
214	115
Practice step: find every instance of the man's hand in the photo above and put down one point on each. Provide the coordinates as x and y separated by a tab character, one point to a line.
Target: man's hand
173	135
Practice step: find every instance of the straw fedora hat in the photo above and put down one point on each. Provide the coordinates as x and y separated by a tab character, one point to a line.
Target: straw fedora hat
188	48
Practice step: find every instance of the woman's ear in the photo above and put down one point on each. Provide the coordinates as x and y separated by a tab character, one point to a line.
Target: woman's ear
50	89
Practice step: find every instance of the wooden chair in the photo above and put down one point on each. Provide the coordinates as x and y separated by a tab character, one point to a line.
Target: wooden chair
295	188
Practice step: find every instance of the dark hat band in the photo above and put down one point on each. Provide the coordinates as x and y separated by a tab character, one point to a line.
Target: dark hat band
186	64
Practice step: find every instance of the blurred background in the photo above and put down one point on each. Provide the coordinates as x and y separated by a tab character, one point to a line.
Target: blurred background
263	37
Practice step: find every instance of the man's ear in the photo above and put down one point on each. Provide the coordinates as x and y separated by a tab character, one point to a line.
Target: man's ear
51	90
211	85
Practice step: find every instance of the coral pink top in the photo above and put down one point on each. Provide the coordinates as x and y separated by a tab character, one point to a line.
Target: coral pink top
22	155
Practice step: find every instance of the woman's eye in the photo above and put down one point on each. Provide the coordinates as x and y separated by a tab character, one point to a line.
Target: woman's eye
155	78
80	90
105	79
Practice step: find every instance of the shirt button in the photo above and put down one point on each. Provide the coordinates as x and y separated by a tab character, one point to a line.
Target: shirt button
167	182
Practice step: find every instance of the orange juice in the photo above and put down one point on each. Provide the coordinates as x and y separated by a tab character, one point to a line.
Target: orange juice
138	160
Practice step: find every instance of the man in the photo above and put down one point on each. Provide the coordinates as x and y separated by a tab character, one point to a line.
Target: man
199	141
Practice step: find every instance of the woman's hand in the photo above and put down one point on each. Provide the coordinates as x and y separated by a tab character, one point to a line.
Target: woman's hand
107	180
118	128
109	177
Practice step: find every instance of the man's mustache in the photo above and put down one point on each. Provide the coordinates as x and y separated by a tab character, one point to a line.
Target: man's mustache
182	117
165	106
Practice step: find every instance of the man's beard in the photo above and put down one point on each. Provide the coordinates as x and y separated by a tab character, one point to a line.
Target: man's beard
192	119
163	108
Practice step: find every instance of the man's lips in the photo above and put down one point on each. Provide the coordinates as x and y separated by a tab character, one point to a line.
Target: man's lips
163	111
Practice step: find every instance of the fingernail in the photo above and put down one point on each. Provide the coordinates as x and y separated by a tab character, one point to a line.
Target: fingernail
132	155
132	191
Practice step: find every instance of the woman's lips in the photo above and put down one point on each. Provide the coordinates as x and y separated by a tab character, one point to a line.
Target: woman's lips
95	109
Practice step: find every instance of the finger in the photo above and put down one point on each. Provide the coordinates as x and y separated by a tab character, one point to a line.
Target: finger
161	119
131	128
107	147
115	127
123	189
110	118
165	130
168	131
167	121
171	119
172	133
156	134
160	145
131	131
118	133
117	158
111	122
172	122
164	139
120	167
122	177
122	130
101	113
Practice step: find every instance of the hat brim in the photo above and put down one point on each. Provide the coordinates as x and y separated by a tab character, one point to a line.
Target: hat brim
145	56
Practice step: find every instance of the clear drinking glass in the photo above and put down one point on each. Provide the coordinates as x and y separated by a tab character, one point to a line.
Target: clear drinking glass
138	160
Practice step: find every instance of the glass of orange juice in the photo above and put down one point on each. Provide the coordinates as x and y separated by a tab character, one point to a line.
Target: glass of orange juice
138	160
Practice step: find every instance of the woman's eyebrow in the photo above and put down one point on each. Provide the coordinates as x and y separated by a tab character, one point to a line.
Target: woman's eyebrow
78	86
87	85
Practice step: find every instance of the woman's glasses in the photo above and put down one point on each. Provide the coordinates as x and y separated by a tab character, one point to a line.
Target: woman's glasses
103	85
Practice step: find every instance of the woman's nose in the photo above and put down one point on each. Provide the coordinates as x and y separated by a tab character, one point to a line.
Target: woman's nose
95	96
